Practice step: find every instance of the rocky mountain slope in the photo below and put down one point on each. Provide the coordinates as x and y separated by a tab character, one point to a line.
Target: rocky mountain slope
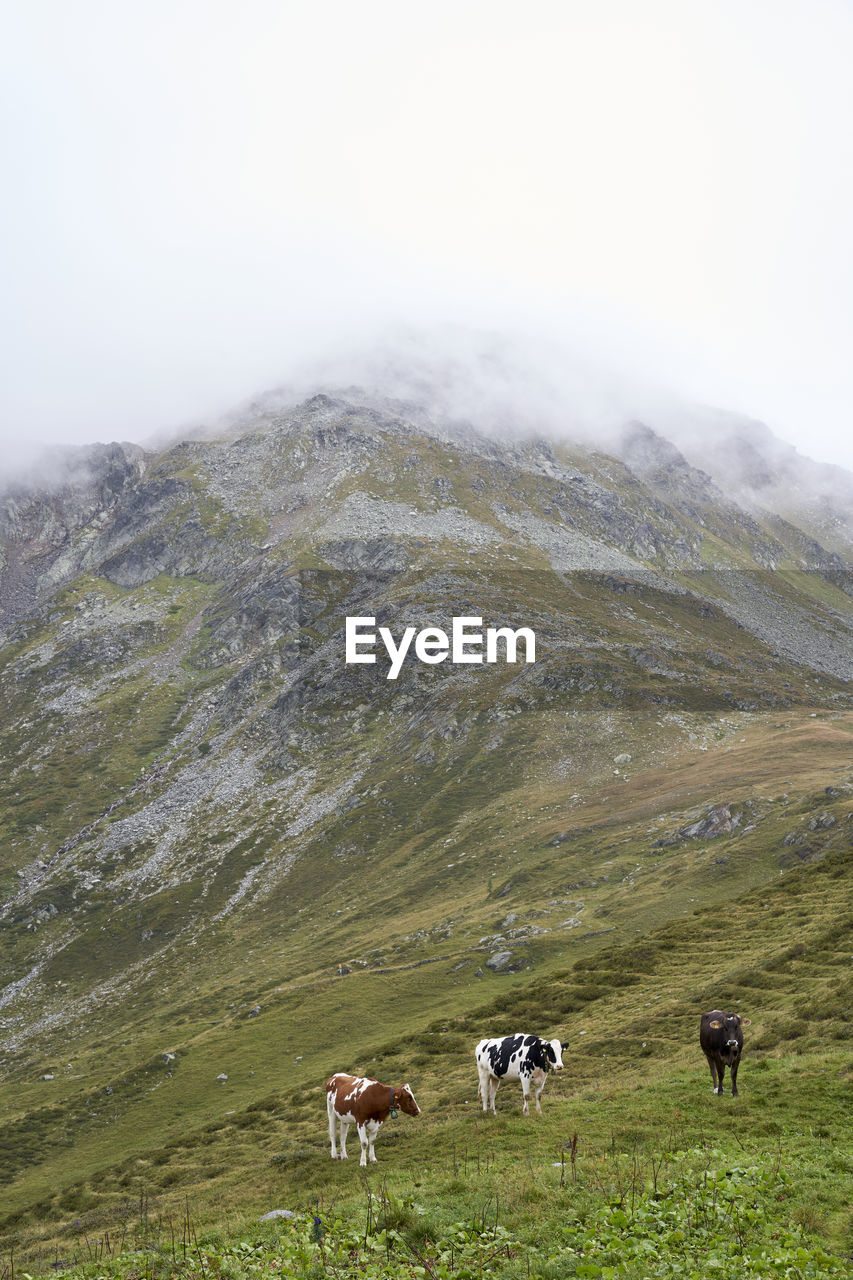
205	810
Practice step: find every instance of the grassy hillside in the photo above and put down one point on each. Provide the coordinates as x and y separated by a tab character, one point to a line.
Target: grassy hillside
225	853
635	1091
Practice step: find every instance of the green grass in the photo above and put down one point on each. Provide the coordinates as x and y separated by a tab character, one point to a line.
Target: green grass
698	1211
604	1174
635	1090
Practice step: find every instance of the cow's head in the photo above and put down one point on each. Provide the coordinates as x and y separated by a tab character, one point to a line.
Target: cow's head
730	1025
554	1053
405	1100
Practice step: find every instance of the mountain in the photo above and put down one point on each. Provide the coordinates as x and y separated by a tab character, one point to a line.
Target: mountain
210	819
771	478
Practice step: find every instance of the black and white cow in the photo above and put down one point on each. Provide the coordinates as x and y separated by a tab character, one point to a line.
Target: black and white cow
521	1057
721	1039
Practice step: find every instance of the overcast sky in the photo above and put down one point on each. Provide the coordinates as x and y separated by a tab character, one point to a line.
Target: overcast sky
202	194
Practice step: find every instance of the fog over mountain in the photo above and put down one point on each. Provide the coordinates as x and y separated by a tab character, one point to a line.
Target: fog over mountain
203	198
455	379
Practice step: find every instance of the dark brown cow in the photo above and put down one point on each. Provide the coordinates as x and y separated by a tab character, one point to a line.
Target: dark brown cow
721	1038
367	1104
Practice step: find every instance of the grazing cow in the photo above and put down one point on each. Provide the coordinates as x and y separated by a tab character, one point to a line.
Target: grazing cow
367	1104
721	1038
521	1057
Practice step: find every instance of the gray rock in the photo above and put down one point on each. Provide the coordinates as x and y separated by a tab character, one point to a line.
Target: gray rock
498	961
716	823
276	1213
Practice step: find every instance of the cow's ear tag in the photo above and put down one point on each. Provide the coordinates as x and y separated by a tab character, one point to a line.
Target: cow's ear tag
715	1025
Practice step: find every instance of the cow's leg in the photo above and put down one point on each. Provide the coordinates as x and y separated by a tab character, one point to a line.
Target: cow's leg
494	1082
713	1073
483	1088
332	1123
345	1124
733	1073
525	1089
539	1089
362	1134
372	1130
721	1071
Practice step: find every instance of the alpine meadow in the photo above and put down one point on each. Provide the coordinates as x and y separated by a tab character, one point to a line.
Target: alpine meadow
234	863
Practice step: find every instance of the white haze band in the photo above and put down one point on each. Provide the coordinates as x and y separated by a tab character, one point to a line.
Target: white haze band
433	645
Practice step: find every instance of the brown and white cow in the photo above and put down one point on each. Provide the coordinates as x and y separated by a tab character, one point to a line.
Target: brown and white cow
367	1104
721	1039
